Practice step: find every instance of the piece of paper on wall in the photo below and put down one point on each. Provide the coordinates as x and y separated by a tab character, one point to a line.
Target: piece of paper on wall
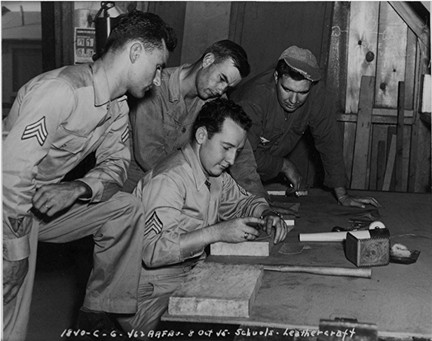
84	45
426	94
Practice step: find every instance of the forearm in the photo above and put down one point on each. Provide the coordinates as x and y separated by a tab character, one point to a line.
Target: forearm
109	174
172	248
193	243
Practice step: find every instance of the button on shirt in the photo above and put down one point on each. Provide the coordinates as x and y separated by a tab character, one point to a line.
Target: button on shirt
275	133
178	198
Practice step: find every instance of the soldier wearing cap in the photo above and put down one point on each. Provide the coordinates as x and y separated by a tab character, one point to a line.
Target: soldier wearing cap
282	103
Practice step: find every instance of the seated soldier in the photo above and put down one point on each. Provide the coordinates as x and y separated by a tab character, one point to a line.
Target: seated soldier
190	201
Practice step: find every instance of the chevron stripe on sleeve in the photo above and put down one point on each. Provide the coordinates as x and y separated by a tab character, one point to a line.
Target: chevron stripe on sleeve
153	224
37	130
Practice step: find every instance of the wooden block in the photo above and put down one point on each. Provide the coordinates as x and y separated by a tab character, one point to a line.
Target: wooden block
360	178
374	159
400	139
348	148
215	289
390	164
259	248
381	163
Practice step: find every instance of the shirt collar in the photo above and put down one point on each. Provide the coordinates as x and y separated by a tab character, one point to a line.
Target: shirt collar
100	85
174	83
192	160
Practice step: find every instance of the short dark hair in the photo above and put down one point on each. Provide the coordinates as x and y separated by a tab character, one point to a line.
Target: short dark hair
282	68
213	114
225	49
147	27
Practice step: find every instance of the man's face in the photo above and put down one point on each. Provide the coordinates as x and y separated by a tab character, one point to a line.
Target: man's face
220	151
213	80
291	94
147	69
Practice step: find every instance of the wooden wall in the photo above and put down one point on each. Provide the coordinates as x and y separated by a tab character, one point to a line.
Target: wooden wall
376	62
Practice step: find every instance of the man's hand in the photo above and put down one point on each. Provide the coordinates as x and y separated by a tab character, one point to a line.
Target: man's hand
345	199
50	199
355	201
274	219
276	222
238	230
292	174
13	277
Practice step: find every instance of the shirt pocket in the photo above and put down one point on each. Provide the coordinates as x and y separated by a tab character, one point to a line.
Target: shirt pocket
177	129
68	142
270	138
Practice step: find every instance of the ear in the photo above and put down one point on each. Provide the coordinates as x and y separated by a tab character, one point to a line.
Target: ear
208	60
201	135
276	76
135	52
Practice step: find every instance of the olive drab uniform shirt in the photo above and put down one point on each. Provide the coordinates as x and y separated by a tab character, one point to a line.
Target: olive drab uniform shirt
161	123
57	119
275	133
178	198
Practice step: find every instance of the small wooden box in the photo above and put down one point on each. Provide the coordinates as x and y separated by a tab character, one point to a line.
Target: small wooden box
215	289
368	248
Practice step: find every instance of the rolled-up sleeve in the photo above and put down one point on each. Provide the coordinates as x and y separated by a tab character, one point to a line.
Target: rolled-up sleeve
236	202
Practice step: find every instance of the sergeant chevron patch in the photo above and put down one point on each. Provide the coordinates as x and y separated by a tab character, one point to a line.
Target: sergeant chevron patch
38	130
125	135
153	224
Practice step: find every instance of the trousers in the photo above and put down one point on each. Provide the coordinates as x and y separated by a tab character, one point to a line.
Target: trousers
117	229
155	288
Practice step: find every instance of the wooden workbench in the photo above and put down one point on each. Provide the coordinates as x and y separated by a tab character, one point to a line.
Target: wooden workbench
398	298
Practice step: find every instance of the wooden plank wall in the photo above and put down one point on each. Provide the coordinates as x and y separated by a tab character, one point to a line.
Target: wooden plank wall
389	150
392	45
362	48
205	23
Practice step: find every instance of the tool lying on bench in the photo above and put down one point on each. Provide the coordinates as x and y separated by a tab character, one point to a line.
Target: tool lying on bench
321	270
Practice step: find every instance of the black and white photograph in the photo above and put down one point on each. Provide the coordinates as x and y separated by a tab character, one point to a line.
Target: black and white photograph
216	170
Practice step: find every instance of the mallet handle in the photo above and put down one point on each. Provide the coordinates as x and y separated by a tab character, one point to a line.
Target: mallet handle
318	270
